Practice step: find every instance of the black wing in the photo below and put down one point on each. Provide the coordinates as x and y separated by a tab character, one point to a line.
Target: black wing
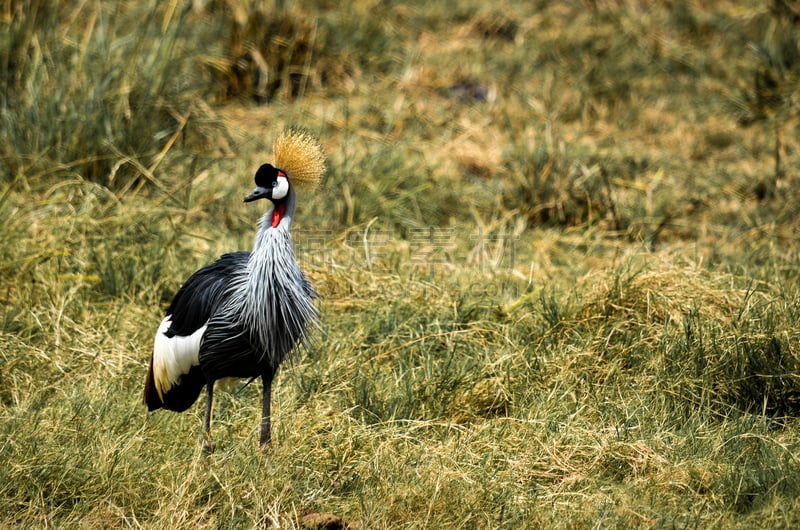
190	309
202	294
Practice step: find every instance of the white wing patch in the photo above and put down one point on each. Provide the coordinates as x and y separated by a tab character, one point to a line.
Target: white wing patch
174	356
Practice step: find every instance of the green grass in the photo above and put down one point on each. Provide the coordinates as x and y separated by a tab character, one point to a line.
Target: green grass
557	250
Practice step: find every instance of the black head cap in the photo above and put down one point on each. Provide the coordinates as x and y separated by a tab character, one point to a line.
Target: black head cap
271	183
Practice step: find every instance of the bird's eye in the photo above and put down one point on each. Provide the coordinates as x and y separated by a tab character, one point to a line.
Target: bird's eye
274	183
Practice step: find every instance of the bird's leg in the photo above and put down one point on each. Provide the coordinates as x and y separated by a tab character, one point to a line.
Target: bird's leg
208	442
266	378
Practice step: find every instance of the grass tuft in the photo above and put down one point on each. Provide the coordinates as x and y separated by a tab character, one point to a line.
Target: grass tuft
93	90
266	51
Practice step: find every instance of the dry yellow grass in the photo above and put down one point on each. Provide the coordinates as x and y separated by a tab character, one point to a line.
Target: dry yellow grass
557	250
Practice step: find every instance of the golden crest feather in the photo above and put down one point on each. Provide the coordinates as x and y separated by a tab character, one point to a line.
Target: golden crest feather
300	155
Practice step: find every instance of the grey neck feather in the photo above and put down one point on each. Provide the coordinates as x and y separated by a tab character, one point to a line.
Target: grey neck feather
273	298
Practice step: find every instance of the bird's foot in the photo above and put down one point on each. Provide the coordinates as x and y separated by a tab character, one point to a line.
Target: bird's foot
209	445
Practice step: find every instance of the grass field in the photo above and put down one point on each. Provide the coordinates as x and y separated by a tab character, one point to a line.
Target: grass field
557	249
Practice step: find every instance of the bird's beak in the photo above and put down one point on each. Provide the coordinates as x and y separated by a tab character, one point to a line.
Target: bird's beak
258	193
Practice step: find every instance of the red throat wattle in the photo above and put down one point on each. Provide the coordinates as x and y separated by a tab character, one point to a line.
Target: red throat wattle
277	214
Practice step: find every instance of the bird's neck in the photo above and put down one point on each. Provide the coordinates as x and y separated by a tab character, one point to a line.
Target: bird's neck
279	216
271	270
273	242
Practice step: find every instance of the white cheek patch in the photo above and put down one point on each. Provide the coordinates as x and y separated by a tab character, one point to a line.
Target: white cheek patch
280	191
174	356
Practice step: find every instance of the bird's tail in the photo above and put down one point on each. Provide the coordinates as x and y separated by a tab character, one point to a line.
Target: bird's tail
180	396
151	398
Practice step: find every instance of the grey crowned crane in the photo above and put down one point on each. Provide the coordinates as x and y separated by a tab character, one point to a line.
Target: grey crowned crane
244	314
